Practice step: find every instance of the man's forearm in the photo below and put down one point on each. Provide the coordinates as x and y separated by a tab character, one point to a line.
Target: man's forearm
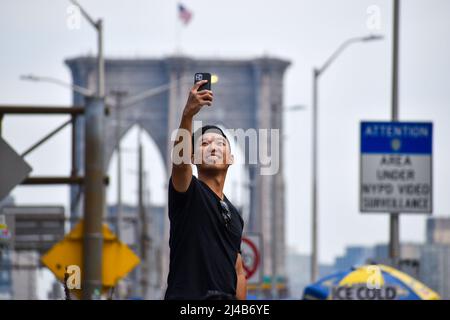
184	133
181	155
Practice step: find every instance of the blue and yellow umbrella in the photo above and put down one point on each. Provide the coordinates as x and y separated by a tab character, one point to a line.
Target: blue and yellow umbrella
369	282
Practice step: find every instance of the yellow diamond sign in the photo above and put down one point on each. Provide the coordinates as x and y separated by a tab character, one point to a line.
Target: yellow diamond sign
118	258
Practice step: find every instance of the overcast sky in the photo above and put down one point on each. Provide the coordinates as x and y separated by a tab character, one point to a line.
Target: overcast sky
34	37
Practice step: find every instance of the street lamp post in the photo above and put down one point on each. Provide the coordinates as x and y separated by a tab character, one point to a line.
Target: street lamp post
98	25
94	193
80	90
275	254
394	218
317	72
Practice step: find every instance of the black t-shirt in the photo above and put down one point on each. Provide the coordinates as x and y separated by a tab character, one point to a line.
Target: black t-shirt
203	250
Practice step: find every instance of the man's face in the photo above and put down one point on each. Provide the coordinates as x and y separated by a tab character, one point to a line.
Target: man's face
212	151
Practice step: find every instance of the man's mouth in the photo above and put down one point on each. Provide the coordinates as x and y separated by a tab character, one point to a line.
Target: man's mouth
217	155
213	157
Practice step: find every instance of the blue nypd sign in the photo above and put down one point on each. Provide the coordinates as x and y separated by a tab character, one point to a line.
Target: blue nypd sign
396	167
396	137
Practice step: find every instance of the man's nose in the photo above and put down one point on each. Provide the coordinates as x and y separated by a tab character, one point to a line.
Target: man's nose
212	147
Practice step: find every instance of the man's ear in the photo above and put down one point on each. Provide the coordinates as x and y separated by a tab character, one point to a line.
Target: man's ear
231	159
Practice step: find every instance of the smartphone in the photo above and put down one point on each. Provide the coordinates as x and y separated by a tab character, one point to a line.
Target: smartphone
203	76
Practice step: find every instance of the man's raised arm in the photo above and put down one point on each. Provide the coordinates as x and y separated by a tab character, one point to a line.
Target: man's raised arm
182	150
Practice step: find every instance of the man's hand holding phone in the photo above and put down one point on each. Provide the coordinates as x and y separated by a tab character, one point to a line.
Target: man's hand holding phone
182	172
197	99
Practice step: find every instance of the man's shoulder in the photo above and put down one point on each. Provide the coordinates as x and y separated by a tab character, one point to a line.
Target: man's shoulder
192	183
194	178
178	200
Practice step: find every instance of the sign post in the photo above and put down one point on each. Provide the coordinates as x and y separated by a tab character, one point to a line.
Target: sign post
396	172
118	259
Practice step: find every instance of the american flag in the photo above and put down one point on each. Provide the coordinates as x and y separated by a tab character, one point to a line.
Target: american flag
184	14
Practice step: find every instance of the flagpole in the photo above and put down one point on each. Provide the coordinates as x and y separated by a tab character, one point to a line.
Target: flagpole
178	36
184	16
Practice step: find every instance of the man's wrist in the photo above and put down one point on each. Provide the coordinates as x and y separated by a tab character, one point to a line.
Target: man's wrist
187	115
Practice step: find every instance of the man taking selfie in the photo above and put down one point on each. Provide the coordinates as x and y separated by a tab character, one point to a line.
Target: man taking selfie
205	228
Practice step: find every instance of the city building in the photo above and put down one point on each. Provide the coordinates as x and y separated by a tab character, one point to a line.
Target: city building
298	272
435	268
5	275
25	266
353	256
438	230
6	291
435	259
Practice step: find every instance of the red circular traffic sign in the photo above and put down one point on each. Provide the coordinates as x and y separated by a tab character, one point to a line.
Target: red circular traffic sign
251	269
